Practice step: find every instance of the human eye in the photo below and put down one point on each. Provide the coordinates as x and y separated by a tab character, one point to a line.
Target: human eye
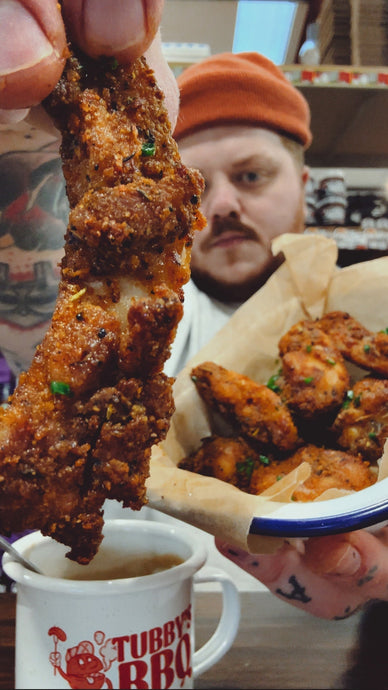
248	177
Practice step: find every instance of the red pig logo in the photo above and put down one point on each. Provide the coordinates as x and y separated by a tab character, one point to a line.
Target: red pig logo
83	668
153	658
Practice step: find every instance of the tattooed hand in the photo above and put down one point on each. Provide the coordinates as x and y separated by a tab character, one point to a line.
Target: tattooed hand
329	577
33	45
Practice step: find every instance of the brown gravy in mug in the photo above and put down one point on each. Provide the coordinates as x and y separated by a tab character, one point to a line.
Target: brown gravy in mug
113	566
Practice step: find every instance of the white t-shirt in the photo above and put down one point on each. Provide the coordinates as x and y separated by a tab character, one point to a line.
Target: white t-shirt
202	318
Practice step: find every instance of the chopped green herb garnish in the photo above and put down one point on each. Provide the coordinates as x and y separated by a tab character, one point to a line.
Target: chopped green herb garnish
356	400
271	383
148	148
264	459
348	399
60	388
373	436
366	348
308	379
331	361
246	467
384	330
114	63
194	379
309	348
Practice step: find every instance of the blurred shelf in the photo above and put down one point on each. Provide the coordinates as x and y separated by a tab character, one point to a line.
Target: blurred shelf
349	108
354	238
355	244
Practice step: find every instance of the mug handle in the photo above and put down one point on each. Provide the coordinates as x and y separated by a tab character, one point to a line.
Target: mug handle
226	631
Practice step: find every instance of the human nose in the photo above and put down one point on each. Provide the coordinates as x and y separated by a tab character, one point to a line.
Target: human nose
221	200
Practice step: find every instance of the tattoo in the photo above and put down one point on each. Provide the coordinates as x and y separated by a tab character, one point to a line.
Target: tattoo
28	303
347	613
33	218
298	593
368	576
233	553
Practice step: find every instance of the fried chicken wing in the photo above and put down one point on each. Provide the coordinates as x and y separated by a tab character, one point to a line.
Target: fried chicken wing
362	424
81	423
359	345
256	410
329	469
314	379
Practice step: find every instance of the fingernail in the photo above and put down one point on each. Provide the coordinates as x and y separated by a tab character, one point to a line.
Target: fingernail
31	45
349	562
104	28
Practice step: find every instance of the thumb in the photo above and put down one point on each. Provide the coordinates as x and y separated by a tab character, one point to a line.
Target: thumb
33	51
123	29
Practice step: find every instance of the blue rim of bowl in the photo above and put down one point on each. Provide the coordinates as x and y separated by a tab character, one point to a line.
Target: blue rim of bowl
359	518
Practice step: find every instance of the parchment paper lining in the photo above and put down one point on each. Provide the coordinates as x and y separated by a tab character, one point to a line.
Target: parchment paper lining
307	285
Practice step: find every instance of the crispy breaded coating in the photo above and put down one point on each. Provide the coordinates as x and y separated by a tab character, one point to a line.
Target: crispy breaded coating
359	345
253	408
82	421
303	335
329	469
362	424
314	379
229	458
233	460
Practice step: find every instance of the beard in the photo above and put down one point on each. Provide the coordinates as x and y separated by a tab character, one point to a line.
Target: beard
227	291
234	292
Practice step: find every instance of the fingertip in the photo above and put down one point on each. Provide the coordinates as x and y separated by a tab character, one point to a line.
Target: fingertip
332	555
31	61
124	30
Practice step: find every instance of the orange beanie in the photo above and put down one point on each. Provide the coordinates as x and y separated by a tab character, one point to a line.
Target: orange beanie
241	88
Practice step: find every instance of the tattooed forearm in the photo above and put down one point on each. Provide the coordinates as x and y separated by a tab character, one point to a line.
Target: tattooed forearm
33	217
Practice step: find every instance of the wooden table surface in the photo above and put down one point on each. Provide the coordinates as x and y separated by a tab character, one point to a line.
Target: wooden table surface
277	647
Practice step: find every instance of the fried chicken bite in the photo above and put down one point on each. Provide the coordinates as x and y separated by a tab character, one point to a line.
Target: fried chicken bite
254	409
359	345
303	336
229	458
362	424
81	423
314	378
233	460
329	469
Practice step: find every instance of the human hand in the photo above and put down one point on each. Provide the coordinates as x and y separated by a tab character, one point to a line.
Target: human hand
330	577
33	45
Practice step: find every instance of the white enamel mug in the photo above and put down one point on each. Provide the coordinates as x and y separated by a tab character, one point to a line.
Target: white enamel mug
132	632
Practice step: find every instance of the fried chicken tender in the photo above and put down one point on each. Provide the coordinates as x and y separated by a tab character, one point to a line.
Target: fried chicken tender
314	379
362	424
359	345
80	425
254	409
329	469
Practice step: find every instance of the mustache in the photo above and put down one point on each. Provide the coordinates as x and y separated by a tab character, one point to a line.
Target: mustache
221	225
